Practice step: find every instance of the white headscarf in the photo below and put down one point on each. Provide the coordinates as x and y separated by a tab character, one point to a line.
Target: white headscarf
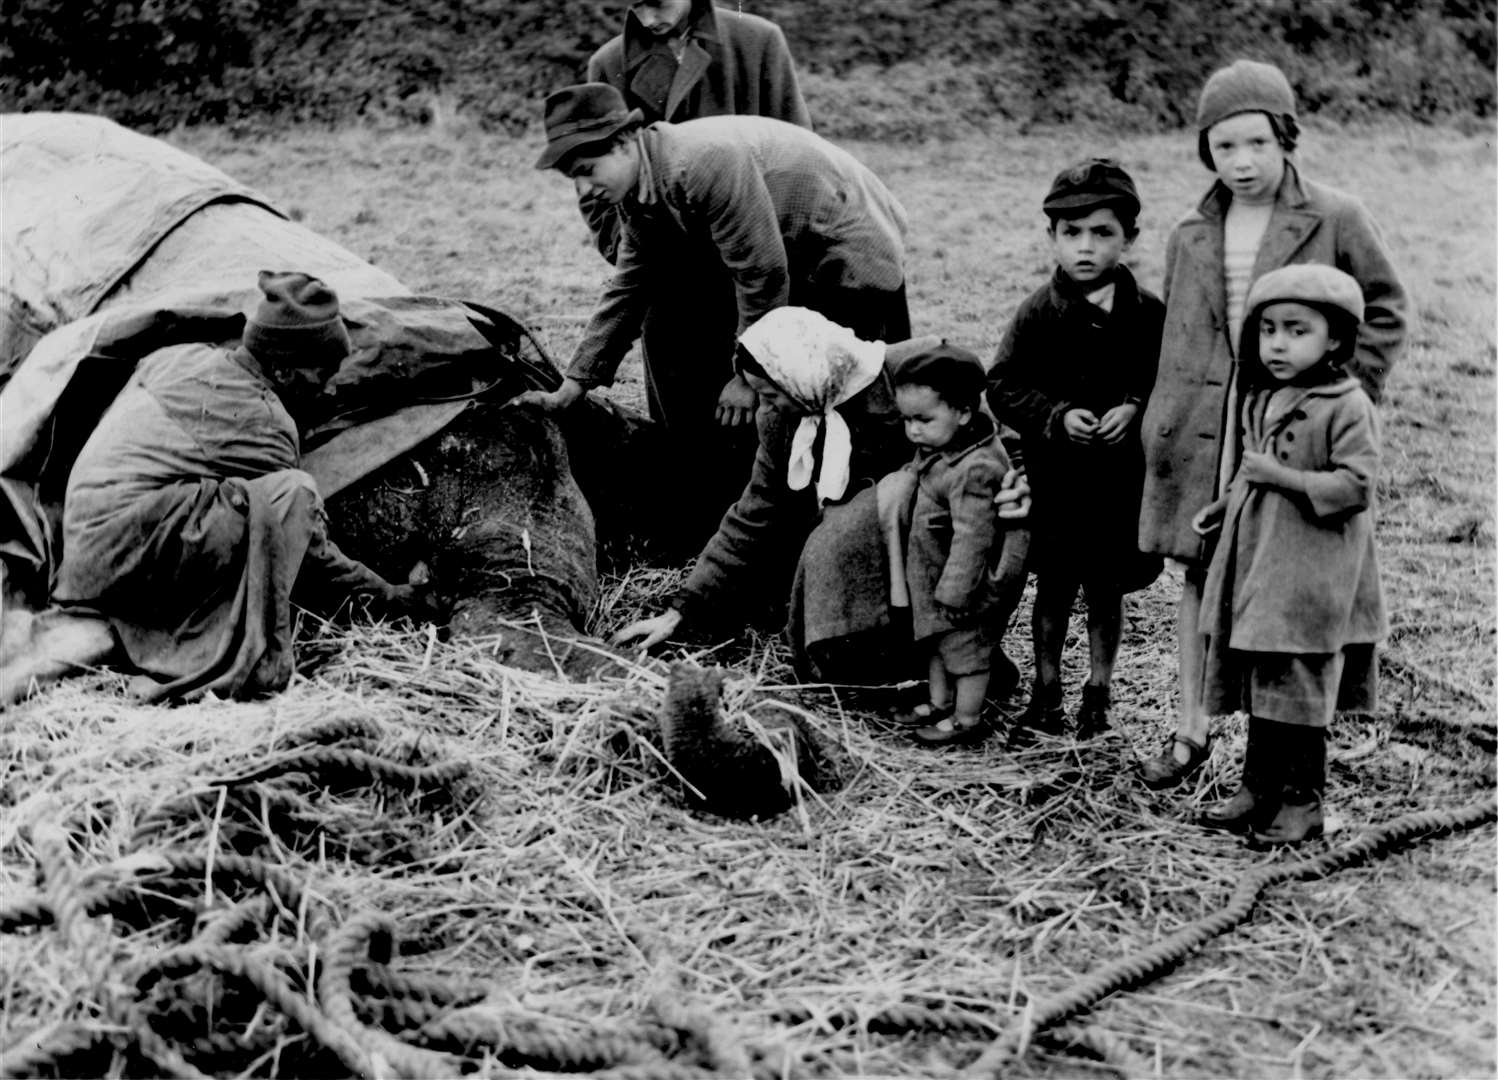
818	365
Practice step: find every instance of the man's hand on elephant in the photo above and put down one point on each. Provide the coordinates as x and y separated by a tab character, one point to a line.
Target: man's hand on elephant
560	398
736	403
1013	499
650	632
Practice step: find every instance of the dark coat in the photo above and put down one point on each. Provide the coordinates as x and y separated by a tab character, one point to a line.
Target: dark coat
954	535
732	64
754	551
786	212
1183	430
1298	573
1063	352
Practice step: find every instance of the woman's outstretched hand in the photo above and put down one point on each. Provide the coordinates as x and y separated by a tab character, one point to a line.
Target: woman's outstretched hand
650	631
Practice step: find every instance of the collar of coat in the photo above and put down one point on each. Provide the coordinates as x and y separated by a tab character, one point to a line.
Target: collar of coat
1065	291
978	433
1291	195
702	27
1258	406
1296	216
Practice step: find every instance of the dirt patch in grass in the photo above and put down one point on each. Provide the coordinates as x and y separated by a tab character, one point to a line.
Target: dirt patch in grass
896	927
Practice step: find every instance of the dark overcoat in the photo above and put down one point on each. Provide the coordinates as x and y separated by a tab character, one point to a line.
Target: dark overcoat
1186	429
1063	352
731	63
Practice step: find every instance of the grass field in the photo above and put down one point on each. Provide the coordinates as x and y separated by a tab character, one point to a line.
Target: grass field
977	883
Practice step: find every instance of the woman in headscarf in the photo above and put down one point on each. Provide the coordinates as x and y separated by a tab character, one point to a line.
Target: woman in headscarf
828	431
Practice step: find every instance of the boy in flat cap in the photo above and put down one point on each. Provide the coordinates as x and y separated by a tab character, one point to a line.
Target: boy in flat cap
1072	374
791	218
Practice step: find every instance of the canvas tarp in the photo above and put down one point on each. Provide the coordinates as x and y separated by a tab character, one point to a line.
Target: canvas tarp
116	244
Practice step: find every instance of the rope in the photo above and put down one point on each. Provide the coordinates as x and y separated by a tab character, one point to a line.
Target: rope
523	1042
895	1020
271	984
1165	954
355	763
351	944
50	1054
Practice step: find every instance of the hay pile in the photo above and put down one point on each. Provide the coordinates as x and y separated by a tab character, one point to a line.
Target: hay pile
500	868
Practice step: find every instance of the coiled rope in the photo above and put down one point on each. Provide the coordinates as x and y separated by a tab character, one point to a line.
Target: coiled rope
1165	954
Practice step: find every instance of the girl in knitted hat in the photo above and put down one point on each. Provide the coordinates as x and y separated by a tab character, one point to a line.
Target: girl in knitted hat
1293	582
1259	214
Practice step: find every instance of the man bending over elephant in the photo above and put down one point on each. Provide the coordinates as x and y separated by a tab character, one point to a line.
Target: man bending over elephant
187	522
790	217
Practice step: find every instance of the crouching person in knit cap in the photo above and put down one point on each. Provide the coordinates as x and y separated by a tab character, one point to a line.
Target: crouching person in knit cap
187	523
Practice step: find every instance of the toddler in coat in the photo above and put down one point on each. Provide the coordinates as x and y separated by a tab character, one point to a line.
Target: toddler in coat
1293	581
954	536
1072	373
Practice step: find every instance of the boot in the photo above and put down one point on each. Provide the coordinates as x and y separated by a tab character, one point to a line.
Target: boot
1299	817
1043	712
1092	715
1256	801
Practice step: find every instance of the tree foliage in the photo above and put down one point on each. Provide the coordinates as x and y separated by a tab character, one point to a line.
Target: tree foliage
1139	63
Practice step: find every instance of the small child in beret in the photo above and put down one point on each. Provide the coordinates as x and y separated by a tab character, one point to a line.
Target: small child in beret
1293	581
1072	374
955	537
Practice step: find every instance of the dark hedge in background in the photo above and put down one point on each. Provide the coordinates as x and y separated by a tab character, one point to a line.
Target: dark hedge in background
878	68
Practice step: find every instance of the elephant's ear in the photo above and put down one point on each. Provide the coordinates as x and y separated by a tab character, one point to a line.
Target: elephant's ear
513	338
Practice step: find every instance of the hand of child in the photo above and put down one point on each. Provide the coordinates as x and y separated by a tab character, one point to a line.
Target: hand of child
1115	422
1079	424
1208	519
1261	468
1012	501
736	403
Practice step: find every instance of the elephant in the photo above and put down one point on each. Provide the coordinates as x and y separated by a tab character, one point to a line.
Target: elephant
116	244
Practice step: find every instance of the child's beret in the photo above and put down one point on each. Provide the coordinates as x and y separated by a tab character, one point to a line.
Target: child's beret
948	369
1308	283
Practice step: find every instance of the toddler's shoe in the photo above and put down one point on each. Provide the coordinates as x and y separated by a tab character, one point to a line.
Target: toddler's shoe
1092	715
923	715
951	732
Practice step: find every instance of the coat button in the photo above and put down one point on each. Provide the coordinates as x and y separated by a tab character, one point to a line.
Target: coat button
1289	436
1284	455
1298	414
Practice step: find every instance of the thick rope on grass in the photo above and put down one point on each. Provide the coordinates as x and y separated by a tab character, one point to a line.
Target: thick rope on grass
270	983
351	945
52	1053
347	763
472	1032
1151	962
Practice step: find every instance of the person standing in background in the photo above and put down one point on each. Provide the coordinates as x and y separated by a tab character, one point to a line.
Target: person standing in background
679	60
